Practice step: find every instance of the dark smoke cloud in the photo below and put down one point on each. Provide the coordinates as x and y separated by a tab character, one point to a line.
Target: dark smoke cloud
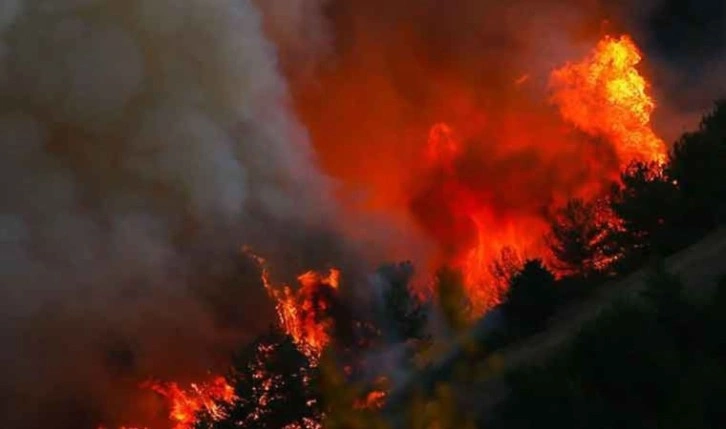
144	142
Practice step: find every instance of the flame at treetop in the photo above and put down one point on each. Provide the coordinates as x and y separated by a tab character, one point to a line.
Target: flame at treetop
186	404
605	95
302	313
488	235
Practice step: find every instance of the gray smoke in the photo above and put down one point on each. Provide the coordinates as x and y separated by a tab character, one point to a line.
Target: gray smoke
301	33
144	142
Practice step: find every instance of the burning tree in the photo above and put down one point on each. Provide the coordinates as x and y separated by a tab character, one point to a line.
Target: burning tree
274	383
605	96
580	238
505	268
697	164
186	405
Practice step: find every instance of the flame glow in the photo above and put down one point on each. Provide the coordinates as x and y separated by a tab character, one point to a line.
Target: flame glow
605	95
186	404
302	312
487	187
373	400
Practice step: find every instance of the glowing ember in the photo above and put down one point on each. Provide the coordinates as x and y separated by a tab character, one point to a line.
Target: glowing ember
373	400
302	313
604	95
186	405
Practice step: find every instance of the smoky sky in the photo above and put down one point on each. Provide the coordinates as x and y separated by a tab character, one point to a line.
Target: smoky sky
144	142
683	32
685	43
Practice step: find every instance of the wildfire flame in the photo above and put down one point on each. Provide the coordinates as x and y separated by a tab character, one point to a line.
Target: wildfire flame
186	404
472	216
302	312
605	95
373	400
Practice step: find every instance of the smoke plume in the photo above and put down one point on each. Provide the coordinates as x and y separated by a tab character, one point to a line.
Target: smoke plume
145	142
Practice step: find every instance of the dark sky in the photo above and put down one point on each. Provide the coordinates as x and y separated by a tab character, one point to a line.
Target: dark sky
687	41
687	31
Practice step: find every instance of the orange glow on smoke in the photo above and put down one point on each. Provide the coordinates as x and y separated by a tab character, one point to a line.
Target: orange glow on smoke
186	404
605	95
492	236
472	154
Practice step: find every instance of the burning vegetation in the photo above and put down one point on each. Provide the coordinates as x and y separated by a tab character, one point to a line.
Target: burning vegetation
186	405
605	97
483	229
156	139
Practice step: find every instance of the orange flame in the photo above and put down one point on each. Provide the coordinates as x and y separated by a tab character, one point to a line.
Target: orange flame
490	233
186	405
605	95
373	400
302	312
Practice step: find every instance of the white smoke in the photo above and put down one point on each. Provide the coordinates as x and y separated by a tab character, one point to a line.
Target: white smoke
141	140
300	31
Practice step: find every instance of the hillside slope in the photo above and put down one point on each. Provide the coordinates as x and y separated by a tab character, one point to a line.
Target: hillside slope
699	266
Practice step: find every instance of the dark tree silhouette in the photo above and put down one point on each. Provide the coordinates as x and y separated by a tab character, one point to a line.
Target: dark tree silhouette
531	298
647	202
697	164
504	268
404	311
580	238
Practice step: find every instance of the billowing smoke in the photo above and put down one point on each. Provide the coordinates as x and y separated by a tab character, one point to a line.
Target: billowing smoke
145	142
